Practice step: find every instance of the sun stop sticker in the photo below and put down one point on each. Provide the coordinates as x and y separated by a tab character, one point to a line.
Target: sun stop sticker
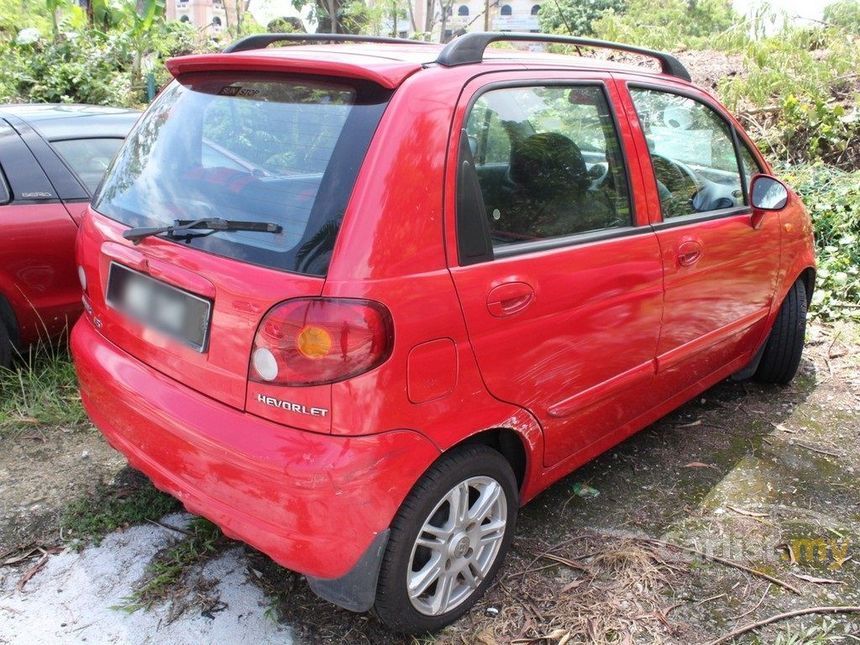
234	90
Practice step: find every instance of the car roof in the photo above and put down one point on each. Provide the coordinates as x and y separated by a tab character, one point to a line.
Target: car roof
384	63
57	121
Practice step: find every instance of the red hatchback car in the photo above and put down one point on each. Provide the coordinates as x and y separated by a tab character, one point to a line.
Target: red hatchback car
52	157
356	303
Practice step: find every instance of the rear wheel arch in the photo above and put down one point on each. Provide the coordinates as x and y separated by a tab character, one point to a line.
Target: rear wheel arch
508	443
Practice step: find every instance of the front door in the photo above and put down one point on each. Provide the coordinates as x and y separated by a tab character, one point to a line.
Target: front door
720	262
559	280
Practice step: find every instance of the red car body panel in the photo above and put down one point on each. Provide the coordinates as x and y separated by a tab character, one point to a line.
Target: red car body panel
37	275
287	492
612	335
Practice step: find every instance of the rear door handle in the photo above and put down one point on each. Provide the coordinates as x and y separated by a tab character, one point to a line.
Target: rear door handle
689	253
509	298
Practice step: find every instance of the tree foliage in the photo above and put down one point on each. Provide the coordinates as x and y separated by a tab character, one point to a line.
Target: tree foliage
667	25
576	17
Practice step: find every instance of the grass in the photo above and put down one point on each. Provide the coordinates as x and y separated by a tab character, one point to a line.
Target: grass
166	571
40	390
131	500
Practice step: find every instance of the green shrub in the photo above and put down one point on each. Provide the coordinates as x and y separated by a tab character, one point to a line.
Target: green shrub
844	14
798	94
88	66
833	200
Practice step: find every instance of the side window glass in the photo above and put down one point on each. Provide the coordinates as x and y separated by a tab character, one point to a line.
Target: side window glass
751	167
692	153
548	162
488	138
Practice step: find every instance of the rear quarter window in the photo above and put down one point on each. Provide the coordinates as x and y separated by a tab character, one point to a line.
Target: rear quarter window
88	158
253	147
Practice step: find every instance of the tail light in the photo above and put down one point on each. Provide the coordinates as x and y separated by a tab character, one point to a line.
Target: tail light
314	341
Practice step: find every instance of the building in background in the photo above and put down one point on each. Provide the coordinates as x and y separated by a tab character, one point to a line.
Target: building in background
214	16
469	15
207	15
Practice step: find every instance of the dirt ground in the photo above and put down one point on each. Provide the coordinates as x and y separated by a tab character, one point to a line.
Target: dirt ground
760	476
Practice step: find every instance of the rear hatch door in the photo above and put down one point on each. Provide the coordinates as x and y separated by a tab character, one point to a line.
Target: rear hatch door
241	146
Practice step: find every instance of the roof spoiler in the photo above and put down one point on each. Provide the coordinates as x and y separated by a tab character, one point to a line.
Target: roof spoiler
469	48
261	41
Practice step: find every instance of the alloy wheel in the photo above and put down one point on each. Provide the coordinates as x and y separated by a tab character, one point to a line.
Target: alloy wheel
457	545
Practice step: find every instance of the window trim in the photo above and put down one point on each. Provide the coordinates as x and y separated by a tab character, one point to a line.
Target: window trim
718	110
694	218
5	190
575	239
745	184
27	181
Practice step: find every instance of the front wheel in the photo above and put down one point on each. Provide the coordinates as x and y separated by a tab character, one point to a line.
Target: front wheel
781	356
448	540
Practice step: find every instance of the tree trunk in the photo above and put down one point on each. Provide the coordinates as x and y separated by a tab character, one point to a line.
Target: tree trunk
429	18
411	16
332	12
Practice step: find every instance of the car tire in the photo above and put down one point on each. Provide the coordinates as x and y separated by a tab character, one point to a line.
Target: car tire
784	347
452	564
5	347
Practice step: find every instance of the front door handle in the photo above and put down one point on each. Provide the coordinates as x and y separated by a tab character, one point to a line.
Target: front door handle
509	298
689	253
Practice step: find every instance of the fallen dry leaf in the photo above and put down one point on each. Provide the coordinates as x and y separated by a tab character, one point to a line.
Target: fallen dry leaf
699	464
32	571
782	428
21	557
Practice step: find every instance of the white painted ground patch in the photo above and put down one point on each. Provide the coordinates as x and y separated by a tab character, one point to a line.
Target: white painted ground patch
73	598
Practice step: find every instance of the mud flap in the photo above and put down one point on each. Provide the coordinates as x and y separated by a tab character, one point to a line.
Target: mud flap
356	590
749	371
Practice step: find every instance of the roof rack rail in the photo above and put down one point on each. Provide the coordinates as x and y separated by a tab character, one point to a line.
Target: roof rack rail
261	41
469	48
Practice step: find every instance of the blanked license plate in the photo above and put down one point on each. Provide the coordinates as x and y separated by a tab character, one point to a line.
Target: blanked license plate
156	304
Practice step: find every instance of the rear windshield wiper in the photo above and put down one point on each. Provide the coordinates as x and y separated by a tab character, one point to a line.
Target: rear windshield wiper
188	228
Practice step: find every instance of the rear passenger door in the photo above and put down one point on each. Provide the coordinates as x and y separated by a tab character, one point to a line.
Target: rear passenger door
558	275
720	264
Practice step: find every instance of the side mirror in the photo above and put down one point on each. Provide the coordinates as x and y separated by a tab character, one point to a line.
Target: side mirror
768	193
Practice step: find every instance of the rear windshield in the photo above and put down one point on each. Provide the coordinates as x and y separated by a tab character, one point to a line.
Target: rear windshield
267	148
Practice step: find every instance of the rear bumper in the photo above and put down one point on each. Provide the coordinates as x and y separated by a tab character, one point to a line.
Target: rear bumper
314	503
